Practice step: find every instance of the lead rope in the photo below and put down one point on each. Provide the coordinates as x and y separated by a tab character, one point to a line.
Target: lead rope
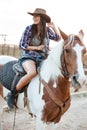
14	118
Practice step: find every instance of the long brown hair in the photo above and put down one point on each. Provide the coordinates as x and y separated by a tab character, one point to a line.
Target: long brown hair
34	30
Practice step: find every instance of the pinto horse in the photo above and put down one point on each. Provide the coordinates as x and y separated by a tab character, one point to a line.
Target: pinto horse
48	93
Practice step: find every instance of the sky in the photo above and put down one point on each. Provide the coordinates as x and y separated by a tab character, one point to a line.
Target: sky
69	15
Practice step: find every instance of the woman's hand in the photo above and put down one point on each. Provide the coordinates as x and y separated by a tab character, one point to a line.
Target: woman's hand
40	48
51	24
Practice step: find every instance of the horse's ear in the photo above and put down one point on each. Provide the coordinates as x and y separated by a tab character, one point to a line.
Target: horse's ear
64	36
81	34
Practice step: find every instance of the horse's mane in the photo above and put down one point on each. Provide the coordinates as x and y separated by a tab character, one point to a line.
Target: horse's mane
50	68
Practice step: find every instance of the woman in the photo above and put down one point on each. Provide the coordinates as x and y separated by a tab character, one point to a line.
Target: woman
35	46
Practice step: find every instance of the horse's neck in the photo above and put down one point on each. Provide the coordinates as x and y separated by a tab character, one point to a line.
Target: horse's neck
63	85
51	66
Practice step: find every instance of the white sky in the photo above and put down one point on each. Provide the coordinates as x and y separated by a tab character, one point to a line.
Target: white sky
69	15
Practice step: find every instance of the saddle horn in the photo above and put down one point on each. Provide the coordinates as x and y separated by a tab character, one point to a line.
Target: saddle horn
64	36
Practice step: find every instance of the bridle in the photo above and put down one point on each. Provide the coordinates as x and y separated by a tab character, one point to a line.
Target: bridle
64	69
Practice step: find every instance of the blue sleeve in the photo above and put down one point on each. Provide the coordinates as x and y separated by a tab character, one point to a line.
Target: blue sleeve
25	38
52	35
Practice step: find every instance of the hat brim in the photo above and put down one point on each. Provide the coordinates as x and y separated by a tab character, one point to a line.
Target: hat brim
47	18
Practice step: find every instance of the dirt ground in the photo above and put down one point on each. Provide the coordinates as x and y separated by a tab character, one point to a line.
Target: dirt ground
74	119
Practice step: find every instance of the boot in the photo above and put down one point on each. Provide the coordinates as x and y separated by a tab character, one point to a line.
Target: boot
11	97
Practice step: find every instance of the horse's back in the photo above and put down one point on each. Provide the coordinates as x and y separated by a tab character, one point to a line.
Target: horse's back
5	59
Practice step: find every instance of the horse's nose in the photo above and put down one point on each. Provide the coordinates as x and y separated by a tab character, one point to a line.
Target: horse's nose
82	80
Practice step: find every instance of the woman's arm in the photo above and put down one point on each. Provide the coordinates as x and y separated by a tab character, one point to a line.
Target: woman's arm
53	32
51	25
38	48
25	38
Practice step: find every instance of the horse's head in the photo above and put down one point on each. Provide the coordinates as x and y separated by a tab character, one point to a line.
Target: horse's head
72	56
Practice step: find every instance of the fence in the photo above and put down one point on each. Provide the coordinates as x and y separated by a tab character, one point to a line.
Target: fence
9	49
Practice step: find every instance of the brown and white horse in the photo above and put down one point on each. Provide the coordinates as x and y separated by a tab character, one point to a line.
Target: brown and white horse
49	92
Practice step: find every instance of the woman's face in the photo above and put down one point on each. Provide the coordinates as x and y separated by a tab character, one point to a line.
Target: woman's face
36	19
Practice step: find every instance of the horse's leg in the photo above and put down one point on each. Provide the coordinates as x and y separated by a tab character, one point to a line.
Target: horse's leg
52	126
40	125
20	101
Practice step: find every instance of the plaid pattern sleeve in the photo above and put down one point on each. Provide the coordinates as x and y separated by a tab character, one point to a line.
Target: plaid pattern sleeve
25	38
52	35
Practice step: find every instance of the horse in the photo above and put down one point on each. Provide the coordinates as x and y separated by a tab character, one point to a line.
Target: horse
48	93
5	58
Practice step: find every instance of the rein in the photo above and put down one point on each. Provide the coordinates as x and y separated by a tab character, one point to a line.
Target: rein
64	69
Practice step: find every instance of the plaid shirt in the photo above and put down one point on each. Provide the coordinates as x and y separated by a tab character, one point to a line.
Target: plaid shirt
26	36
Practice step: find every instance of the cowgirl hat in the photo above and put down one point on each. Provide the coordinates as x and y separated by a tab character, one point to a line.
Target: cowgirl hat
42	12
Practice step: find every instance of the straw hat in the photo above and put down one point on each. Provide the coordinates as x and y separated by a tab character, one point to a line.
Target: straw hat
41	12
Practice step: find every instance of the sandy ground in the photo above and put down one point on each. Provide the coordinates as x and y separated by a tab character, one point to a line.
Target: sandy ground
74	119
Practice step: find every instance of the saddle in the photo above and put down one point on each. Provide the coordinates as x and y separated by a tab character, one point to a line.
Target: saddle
18	69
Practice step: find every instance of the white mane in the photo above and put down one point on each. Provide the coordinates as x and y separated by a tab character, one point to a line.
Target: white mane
51	66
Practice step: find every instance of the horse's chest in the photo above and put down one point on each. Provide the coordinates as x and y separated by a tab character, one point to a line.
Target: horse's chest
52	109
